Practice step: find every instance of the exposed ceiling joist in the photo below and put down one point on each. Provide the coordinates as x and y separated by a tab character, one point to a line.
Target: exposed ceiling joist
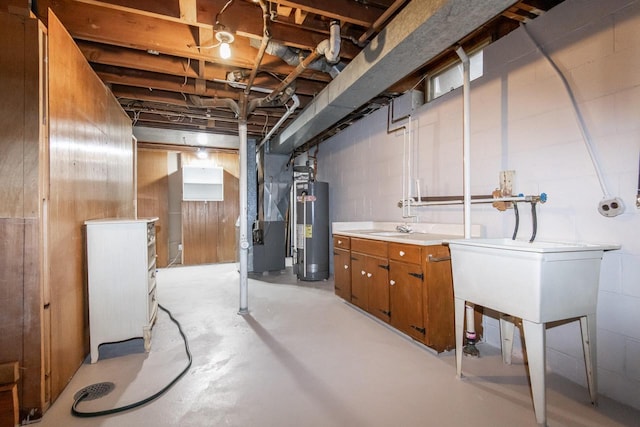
154	54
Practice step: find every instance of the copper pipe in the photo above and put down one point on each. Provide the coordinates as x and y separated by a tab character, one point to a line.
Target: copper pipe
293	75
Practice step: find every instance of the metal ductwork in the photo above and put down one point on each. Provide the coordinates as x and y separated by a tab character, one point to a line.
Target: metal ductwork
420	32
215	102
329	49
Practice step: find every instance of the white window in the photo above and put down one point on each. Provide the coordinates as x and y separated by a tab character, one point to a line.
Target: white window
451	77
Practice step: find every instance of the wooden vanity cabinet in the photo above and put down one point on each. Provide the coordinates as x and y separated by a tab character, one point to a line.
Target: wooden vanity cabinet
342	266
409	286
370	276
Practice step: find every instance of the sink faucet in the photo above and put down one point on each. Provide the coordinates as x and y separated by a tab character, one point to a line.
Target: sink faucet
404	228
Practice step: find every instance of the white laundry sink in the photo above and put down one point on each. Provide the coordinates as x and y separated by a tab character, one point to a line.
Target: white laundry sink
538	282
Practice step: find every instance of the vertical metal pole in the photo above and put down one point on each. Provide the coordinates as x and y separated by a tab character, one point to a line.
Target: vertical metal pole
244	242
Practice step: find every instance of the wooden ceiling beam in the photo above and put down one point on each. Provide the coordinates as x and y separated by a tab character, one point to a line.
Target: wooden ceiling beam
150	115
128	95
133	94
94	22
153	81
188	11
350	11
98	53
245	19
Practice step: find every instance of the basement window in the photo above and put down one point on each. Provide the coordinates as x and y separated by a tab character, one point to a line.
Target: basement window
451	77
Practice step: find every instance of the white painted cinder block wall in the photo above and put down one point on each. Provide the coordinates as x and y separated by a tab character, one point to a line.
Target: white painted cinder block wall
522	119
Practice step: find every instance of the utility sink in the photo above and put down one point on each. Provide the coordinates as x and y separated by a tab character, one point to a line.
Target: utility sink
538	282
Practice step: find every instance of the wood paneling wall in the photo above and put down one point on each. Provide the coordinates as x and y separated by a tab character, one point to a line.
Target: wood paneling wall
17	7
208	228
21	304
91	176
153	196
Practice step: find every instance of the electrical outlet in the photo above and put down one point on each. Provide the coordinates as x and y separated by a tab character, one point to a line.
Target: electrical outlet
611	207
179	246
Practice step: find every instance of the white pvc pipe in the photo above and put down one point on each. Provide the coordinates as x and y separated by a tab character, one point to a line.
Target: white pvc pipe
466	167
285	116
466	145
244	241
331	48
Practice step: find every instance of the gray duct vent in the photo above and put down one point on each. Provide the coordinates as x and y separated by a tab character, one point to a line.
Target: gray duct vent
404	105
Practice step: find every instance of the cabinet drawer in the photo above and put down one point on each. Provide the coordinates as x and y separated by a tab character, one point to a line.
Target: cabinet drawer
341	242
406	253
369	247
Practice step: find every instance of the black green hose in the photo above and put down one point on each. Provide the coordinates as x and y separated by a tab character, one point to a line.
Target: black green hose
77	413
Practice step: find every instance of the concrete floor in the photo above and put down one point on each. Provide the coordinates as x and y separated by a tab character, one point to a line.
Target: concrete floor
303	357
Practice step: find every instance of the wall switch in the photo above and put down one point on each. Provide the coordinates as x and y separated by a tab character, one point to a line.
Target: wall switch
179	246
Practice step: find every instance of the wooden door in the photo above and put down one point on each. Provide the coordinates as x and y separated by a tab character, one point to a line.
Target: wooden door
438	299
377	277
406	298
342	273
359	289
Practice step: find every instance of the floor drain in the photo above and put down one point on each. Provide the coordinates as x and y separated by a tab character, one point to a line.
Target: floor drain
94	391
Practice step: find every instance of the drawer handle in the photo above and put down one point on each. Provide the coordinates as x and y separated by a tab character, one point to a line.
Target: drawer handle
346	267
339	242
392	282
369	274
363	272
431	258
401	253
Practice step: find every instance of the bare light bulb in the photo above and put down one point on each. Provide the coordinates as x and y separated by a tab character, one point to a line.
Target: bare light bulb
225	50
201	154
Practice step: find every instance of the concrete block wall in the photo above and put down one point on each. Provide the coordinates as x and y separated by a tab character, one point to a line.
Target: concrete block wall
523	119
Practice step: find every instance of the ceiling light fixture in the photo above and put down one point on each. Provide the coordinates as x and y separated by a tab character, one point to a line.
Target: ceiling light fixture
201	154
225	38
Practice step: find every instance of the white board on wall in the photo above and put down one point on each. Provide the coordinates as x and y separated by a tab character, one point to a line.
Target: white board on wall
202	183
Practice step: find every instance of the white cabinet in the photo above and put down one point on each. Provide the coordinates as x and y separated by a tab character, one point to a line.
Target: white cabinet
121	263
202	183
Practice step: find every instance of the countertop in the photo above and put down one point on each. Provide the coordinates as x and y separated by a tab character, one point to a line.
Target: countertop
423	234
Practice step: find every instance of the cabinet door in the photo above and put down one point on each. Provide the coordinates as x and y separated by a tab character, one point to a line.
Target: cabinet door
359	289
342	273
377	270
406	282
438	299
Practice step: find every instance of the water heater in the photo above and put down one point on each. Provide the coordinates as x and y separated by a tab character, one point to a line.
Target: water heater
312	230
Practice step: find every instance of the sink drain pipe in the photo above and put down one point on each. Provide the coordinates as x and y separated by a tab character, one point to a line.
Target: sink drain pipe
470	348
